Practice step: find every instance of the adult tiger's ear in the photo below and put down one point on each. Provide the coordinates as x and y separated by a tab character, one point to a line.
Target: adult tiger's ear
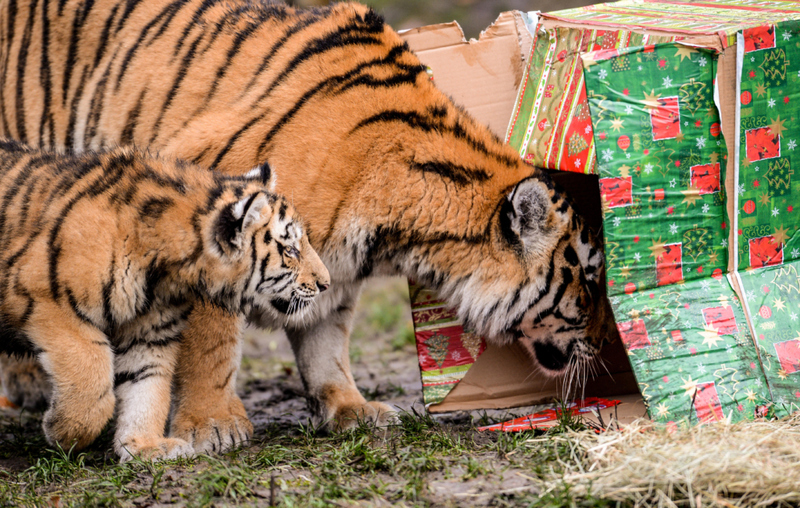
263	174
523	216
235	219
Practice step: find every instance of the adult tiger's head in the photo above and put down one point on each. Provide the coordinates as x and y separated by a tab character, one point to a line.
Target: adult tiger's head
263	233
539	281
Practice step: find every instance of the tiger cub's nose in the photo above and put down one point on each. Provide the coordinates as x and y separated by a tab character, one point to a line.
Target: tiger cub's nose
322	287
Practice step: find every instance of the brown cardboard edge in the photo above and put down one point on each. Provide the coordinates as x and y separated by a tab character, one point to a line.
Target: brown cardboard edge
429	37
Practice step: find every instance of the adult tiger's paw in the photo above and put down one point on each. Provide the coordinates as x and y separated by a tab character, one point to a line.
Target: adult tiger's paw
371	413
25	382
160	448
213	432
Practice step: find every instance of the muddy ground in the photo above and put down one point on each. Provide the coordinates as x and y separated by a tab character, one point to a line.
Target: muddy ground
439	461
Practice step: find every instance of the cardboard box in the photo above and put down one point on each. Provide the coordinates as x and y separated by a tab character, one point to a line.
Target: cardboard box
693	110
483	76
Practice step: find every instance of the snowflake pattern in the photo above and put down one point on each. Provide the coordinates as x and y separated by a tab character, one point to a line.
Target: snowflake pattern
771	103
706	208
603	73
673	229
628	109
793	316
792	144
608	155
666	82
673	183
775	212
637	257
786	35
702	61
701	142
795	253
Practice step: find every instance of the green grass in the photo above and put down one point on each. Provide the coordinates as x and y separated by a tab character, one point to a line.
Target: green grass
297	466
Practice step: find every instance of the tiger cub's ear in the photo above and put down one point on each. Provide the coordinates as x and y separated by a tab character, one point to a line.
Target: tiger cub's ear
234	220
262	173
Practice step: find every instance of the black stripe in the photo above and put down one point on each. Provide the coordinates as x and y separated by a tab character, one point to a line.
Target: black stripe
120	378
351	34
154	208
11	13
126	138
176	84
104	36
416	120
457	174
78	23
73	302
333	81
265	61
45	80
22	61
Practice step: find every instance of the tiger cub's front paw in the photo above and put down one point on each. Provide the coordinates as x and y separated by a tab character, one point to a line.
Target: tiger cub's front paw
213	432
160	448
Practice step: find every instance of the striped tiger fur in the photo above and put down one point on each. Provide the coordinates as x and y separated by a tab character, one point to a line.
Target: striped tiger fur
390	175
102	257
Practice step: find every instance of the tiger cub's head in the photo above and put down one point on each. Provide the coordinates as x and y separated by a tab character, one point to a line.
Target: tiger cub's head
264	233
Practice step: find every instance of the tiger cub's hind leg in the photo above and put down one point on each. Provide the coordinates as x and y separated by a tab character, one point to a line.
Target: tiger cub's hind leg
79	361
143	379
24	382
208	413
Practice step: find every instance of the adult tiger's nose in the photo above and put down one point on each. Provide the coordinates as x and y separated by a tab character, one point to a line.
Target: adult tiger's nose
322	287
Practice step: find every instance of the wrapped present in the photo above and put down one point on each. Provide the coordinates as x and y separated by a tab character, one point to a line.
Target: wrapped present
680	119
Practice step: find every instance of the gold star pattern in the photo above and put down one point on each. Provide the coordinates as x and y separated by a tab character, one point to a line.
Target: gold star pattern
635	314
710	337
781	234
779	303
690	386
777	127
625	271
605	207
713	258
624	171
657	249
616	124
783	374
651	100
761	89
764	199
746	163
685	52
751	395
662	410
690	195
679	138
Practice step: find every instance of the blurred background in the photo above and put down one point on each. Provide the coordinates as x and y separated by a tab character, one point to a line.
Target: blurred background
472	15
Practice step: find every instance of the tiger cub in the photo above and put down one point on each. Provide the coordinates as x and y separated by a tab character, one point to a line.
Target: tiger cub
102	258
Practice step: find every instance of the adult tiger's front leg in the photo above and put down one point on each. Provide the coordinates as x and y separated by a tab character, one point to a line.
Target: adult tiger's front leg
322	353
208	412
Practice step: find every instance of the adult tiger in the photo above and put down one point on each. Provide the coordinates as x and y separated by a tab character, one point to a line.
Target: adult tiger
389	175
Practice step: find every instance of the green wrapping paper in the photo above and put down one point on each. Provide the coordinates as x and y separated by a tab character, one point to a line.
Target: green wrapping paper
692	352
661	158
768	185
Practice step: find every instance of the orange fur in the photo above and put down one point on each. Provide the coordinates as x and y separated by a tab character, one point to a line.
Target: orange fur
390	175
103	257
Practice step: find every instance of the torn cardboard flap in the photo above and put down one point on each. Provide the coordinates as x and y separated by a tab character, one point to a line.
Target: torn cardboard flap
481	75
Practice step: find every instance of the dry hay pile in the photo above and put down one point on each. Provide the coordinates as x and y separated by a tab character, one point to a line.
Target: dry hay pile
744	464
